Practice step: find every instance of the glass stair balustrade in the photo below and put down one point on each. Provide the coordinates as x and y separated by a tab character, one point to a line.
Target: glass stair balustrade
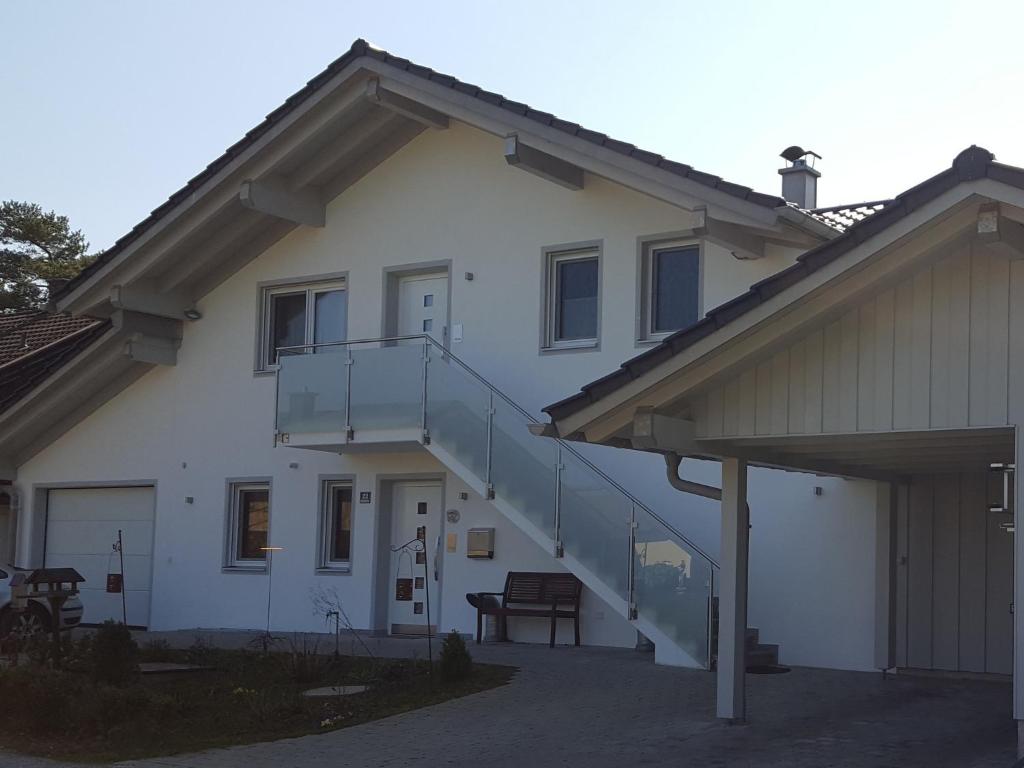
663	580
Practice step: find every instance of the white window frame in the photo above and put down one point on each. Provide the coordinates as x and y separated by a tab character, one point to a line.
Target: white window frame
325	563
648	250
311	288
553	257
232	540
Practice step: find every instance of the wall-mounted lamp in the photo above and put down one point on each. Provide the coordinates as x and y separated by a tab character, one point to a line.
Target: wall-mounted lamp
193	314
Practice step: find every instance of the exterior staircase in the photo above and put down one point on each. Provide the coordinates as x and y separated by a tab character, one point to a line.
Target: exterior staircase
352	396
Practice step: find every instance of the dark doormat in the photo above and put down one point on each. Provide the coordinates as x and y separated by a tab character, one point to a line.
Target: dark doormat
767	669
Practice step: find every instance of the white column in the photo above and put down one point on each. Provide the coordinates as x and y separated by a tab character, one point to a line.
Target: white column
885	576
732	600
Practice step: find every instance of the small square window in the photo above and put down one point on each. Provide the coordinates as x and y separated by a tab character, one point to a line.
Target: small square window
336	525
428	300
671	289
571	296
248	525
428	325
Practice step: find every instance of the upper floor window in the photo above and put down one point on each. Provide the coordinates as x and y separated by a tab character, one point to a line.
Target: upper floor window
248	524
301	315
671	288
572	307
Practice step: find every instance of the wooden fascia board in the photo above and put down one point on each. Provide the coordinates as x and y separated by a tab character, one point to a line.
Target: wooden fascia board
626	171
947	215
79	299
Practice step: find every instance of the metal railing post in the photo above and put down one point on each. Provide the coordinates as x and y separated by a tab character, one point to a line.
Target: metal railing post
423	394
488	481
711	618
349	432
631	570
559	549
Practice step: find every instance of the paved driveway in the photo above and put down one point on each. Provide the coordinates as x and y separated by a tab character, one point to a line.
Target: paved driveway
596	708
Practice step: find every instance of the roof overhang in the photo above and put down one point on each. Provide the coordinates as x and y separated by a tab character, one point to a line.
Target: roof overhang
328	136
754	330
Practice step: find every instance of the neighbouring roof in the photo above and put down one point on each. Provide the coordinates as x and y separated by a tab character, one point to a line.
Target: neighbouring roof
842	217
360	48
973	163
34	344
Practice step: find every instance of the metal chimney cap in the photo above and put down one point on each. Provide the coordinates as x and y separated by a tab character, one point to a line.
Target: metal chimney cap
794	153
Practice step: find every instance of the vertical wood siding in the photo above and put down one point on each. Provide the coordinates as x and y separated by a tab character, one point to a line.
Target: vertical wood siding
932	352
954	576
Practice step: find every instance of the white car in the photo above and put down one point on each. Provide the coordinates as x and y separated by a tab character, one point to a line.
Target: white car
36	618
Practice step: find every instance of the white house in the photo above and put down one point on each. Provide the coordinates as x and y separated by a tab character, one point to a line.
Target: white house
334	340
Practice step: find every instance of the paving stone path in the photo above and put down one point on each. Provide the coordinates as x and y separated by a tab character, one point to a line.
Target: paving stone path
602	708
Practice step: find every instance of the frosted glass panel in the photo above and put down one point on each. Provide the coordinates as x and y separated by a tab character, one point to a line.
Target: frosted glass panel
523	467
311	392
595	523
387	387
673	585
457	413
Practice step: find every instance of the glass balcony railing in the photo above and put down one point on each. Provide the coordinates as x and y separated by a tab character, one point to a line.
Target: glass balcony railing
412	383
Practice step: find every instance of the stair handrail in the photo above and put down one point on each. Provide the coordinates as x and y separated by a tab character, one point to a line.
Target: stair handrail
427	338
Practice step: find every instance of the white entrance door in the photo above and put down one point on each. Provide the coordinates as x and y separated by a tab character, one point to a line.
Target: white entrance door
423	306
81	530
416	514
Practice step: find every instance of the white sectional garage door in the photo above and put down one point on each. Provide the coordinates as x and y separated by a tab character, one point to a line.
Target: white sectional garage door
81	529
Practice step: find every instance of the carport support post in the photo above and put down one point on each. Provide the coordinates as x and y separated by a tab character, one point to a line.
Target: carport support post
732	599
1018	588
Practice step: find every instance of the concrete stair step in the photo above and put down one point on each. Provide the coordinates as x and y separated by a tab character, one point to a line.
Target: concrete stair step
753	636
763	656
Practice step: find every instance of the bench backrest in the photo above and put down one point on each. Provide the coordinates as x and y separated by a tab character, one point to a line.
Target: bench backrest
528	587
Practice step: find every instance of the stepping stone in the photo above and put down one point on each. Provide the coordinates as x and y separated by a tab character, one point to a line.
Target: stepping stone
332	691
164	667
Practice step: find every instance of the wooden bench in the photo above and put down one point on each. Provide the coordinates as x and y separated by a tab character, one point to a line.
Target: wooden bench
544	595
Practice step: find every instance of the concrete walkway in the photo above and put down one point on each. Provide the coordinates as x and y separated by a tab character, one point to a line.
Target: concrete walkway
598	707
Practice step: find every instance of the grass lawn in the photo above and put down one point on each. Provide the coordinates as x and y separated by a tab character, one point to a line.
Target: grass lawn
241	697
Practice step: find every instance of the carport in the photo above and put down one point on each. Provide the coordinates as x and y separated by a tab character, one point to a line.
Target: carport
893	353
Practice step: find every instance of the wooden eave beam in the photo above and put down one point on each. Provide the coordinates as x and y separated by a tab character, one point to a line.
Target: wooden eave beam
743	245
145	297
658	432
999	233
272	196
542	164
402	105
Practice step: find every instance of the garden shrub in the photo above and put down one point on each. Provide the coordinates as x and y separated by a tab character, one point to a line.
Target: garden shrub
115	654
157	651
456	663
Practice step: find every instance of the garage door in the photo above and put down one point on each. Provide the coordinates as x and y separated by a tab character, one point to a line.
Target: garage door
81	530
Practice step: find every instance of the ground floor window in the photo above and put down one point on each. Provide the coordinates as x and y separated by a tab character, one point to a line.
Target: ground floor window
248	524
336	525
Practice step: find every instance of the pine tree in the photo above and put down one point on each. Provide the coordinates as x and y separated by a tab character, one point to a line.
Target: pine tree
35	246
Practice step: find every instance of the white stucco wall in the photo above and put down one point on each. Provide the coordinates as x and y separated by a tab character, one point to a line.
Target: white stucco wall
447	196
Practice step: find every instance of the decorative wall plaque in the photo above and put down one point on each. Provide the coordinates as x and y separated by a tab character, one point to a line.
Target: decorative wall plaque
419	582
403	589
417	608
453	515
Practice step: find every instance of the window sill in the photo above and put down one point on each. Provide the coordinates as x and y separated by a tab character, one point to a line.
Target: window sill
571	346
334	570
244	569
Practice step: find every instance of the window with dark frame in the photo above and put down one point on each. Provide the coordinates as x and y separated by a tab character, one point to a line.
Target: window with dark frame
672	291
301	315
573	283
337	523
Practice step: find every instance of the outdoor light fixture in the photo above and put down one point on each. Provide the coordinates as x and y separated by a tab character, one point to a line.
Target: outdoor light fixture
193	314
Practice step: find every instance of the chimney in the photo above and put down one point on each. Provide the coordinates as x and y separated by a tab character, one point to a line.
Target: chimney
799	179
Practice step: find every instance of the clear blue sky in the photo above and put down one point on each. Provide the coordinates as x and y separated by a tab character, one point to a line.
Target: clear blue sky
108	107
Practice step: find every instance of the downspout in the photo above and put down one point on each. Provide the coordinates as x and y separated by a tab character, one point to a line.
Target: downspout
672	463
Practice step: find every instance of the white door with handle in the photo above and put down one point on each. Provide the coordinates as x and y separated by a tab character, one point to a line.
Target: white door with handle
415	532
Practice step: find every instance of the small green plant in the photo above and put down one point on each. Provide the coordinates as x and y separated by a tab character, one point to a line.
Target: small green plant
456	663
115	654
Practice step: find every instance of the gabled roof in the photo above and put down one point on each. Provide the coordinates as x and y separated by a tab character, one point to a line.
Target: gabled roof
360	48
971	164
34	344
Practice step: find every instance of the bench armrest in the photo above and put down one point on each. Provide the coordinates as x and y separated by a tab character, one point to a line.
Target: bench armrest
495	594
